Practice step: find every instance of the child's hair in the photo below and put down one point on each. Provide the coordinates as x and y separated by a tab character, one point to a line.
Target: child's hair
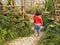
38	13
0	3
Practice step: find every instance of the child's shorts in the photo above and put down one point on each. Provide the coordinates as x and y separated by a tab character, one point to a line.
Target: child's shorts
37	28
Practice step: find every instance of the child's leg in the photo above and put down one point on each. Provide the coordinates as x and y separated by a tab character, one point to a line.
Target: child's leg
38	29
35	29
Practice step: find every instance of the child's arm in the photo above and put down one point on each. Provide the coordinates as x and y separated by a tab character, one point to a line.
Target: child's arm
41	20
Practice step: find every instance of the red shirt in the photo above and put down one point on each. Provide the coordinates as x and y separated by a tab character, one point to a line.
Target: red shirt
37	19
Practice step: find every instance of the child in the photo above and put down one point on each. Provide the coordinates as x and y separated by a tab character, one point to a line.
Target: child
37	22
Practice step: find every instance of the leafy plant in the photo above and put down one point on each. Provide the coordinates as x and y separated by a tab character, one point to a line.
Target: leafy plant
49	6
33	9
12	26
8	2
52	33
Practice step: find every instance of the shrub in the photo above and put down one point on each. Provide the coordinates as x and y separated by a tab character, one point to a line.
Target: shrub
12	26
52	33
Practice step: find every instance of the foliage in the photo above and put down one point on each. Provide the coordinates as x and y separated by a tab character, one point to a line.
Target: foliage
52	33
12	26
33	9
8	2
49	5
58	1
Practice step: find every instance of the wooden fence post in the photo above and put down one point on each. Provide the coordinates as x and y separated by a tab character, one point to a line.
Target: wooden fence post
23	3
54	1
13	5
1	8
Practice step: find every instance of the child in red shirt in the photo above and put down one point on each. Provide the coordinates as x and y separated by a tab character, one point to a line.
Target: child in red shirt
37	22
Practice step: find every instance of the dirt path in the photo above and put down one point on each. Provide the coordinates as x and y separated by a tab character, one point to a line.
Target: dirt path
32	40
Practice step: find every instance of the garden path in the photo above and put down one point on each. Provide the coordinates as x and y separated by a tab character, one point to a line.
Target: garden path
32	40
